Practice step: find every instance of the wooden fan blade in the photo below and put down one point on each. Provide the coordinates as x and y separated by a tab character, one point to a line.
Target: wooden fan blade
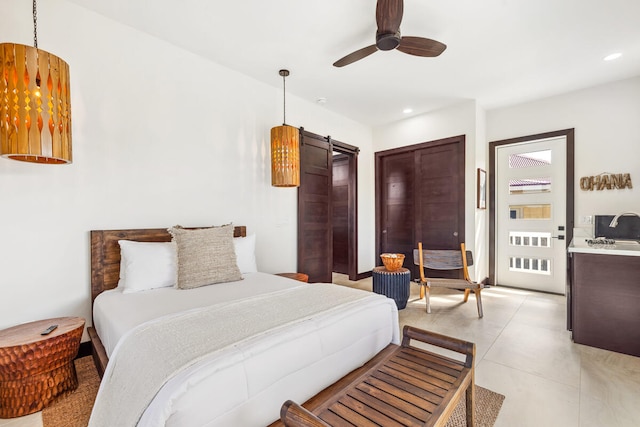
419	46
355	56
389	16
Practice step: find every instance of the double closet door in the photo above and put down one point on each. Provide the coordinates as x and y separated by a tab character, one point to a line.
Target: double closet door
420	197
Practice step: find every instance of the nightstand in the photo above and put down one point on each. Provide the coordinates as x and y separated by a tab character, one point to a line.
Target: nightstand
295	276
36	368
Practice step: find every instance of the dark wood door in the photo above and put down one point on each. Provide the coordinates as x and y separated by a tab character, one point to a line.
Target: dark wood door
315	232
440	196
420	198
340	214
397	226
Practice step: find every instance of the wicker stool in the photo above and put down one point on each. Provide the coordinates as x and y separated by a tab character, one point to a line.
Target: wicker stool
394	284
35	368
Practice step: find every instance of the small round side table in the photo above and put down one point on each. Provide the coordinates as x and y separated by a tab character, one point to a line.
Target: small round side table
36	368
393	284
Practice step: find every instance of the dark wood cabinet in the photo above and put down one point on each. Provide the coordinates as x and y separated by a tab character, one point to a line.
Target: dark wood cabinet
605	301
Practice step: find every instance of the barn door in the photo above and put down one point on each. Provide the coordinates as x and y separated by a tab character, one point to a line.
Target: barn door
315	231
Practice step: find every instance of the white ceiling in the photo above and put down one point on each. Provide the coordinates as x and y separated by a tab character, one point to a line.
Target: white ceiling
499	52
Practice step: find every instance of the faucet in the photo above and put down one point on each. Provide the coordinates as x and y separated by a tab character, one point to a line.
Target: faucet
614	221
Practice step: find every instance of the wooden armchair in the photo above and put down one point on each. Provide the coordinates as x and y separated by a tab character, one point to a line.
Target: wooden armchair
446	260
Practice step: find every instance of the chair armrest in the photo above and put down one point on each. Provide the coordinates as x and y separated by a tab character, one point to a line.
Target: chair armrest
294	415
450	343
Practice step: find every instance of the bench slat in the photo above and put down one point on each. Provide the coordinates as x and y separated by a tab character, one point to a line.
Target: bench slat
406	387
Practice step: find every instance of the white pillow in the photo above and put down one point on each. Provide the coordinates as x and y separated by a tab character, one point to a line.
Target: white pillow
245	248
146	265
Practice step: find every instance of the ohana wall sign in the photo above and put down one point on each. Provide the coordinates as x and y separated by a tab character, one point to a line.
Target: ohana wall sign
606	181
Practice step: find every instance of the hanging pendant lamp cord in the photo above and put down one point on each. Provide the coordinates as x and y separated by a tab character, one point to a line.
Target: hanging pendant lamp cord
35	25
284	98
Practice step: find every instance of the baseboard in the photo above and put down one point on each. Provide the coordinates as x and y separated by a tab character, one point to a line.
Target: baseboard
364	275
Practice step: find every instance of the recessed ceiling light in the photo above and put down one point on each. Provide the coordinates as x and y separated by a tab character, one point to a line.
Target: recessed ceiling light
612	56
408	110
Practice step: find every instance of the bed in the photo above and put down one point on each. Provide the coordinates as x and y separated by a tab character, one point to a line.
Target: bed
256	342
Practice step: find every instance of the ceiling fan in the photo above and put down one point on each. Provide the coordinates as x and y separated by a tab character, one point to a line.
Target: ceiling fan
388	18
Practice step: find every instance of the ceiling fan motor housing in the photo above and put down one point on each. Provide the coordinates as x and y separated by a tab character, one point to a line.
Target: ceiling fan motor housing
388	41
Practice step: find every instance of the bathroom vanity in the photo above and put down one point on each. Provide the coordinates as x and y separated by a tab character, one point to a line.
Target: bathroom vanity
605	295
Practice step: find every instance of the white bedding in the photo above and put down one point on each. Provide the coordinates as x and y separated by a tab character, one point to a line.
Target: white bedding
247	386
115	313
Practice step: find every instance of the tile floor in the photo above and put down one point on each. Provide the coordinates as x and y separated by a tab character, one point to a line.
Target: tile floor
524	352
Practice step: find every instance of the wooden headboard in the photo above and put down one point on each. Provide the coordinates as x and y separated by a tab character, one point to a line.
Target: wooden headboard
105	253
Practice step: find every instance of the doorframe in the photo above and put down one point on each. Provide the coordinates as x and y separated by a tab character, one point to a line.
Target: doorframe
570	172
352	216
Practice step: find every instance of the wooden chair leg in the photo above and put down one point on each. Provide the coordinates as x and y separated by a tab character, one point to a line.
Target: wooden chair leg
422	286
466	294
426	295
479	302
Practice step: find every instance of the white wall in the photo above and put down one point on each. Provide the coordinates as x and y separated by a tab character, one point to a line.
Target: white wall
607	138
461	119
160	137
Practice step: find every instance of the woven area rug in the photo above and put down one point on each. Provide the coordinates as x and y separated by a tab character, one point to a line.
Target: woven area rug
74	409
488	404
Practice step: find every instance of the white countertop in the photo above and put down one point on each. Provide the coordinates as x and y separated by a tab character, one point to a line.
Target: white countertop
579	244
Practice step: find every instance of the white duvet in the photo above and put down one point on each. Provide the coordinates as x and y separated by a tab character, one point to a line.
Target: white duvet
242	382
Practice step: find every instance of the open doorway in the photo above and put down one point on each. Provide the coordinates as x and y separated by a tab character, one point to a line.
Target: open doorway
327	208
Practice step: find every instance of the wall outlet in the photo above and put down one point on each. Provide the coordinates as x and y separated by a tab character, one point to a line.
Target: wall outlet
586	219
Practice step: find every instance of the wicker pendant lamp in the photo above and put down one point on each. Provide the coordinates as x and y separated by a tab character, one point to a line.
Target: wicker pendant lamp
35	104
285	150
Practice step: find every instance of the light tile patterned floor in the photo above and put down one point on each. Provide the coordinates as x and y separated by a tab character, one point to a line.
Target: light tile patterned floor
524	352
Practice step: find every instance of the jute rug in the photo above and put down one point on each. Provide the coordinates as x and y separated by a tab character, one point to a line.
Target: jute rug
74	409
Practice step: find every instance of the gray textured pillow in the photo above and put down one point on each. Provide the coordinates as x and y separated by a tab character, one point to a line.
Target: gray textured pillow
205	256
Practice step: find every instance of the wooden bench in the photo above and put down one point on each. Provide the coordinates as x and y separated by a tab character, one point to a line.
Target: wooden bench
402	386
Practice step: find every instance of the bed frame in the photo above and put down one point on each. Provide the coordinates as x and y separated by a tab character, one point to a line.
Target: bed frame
105	270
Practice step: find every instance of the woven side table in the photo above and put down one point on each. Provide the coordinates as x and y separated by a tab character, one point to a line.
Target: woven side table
394	284
35	368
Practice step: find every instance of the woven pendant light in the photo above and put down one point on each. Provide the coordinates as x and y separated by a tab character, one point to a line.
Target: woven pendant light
285	150
35	104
